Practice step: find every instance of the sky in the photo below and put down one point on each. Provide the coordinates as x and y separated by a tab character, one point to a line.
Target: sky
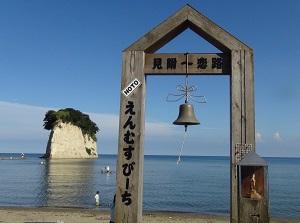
68	54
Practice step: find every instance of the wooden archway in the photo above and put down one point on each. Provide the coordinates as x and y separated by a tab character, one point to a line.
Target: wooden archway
236	60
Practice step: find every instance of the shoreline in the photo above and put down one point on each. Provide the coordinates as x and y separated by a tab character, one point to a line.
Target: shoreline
9	214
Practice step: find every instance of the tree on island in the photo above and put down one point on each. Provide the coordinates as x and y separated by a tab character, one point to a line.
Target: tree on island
74	117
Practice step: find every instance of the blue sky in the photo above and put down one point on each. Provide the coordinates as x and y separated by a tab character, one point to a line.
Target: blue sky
66	53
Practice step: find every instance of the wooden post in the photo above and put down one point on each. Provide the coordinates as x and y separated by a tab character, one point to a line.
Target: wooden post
241	116
236	130
129	191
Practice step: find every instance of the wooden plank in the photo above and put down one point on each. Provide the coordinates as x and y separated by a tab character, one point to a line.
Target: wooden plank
242	115
162	34
249	97
212	63
243	97
235	130
130	164
255	210
213	33
187	17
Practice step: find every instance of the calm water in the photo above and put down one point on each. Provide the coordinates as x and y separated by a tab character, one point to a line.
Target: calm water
197	184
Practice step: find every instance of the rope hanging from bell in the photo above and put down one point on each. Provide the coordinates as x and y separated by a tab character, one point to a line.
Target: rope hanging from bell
186	111
179	156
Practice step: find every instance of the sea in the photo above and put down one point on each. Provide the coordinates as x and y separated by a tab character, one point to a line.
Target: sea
198	184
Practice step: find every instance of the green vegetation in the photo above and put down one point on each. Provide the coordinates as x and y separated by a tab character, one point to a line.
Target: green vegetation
75	117
90	151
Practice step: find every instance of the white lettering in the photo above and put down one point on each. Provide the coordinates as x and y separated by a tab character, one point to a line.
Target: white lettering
131	87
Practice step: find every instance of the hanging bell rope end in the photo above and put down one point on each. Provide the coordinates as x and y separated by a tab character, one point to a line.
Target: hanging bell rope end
185	129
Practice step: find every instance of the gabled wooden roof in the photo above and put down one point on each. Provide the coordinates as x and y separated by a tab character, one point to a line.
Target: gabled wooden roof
252	159
187	17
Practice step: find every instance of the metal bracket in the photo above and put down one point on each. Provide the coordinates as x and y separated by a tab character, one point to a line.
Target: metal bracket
241	150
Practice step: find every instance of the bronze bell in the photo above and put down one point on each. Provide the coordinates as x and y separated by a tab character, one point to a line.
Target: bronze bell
186	115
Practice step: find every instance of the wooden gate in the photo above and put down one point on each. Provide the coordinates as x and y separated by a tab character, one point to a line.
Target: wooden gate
139	59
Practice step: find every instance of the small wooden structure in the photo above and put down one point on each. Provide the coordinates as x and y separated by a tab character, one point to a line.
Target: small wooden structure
139	60
253	189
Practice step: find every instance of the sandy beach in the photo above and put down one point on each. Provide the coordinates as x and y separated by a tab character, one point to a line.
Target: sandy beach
77	215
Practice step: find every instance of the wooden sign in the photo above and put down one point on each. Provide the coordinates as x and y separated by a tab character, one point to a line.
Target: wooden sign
131	87
213	63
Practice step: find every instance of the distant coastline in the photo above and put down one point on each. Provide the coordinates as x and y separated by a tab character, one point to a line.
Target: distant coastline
149	155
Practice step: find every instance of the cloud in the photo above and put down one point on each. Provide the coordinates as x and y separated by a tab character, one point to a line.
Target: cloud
277	137
21	130
258	137
109	126
107	123
158	129
19	122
